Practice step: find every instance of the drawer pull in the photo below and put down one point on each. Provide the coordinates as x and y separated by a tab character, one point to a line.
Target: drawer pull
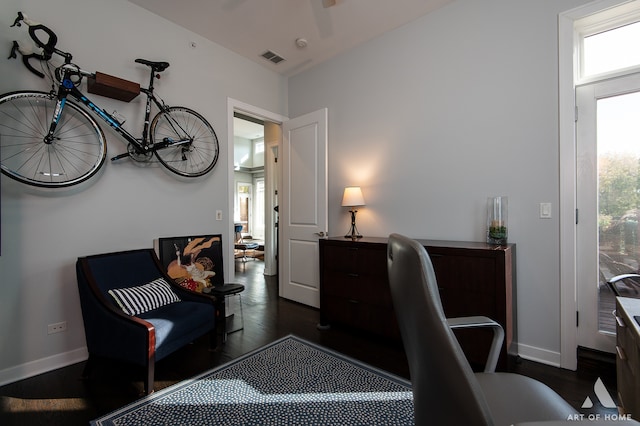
354	301
621	354
619	320
353	275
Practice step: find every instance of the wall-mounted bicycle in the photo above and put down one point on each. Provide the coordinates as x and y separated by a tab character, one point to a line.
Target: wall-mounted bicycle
48	140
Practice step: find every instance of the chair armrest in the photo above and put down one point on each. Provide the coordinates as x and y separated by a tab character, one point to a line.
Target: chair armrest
108	328
613	280
496	343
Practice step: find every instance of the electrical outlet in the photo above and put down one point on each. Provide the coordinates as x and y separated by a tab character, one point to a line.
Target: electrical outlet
58	327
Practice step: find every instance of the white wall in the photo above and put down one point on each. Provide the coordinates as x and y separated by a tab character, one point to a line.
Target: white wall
436	116
245	153
128	206
242	152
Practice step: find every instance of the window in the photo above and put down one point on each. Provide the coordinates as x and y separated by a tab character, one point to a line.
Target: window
599	57
608	43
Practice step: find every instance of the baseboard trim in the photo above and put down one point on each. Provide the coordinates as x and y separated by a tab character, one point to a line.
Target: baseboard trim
43	365
542	356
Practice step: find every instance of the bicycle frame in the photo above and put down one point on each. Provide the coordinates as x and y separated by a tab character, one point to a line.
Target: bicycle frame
142	146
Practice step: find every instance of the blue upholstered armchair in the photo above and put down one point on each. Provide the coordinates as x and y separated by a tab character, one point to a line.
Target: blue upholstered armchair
133	312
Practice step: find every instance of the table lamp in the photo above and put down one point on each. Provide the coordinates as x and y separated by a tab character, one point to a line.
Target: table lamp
352	197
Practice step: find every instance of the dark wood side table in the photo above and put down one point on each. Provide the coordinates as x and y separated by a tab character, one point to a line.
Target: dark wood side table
474	279
221	292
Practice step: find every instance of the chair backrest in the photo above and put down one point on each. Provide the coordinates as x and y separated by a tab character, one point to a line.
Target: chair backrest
445	389
238	232
121	269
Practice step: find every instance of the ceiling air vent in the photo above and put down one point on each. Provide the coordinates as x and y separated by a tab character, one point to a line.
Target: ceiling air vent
272	56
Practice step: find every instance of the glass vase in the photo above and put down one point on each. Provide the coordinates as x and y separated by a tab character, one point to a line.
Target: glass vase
497	226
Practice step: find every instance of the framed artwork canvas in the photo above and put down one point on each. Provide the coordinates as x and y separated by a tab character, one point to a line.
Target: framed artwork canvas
194	262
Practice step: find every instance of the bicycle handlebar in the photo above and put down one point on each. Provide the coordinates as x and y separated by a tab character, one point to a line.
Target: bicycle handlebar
48	47
26	57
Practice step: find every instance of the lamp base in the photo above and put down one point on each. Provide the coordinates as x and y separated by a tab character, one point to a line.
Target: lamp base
353	232
353	237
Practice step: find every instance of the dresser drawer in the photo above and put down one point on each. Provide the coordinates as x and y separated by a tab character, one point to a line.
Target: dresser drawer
377	319
626	379
356	273
365	288
355	260
626	341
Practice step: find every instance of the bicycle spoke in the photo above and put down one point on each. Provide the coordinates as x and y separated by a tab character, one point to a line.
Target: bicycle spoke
76	152
189	143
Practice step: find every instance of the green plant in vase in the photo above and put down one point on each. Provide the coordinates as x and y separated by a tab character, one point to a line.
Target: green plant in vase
497	232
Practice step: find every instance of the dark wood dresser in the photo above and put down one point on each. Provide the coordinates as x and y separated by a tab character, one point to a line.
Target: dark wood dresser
474	279
628	354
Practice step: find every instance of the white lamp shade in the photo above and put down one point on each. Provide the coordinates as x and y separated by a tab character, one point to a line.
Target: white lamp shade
352	197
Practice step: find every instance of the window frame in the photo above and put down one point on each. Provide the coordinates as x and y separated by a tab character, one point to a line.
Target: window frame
600	22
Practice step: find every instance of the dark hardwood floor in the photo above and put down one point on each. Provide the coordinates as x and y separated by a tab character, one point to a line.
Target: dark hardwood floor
61	397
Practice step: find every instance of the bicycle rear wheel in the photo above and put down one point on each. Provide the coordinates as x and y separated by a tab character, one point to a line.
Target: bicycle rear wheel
186	143
76	153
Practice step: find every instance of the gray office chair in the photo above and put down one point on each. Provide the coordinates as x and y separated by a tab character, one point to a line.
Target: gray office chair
445	389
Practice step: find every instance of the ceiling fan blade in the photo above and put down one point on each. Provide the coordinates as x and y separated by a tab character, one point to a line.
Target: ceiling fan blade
323	17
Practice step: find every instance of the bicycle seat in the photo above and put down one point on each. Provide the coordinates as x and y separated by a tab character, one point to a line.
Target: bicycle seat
155	66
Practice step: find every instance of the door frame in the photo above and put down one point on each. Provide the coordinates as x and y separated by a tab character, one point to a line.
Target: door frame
568	180
234	105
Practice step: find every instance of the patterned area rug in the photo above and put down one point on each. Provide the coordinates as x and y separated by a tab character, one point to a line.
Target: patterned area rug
290	381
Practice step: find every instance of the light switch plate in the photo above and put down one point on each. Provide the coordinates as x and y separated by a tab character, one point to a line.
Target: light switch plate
545	210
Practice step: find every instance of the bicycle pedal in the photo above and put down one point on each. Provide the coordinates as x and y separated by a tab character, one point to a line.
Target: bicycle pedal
120	156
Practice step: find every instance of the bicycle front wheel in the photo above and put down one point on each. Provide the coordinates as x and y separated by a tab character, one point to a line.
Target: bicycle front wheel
76	153
186	144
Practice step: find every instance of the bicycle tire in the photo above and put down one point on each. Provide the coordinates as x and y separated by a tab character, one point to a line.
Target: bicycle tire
77	152
192	159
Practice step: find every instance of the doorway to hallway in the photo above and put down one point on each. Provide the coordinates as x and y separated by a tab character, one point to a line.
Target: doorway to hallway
263	183
249	186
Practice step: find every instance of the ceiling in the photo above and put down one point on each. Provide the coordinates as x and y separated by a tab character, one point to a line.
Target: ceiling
247	129
252	27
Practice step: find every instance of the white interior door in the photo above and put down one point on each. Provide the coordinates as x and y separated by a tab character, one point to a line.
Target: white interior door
303	210
608	201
